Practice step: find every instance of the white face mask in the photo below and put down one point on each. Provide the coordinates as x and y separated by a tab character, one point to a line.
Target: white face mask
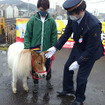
73	17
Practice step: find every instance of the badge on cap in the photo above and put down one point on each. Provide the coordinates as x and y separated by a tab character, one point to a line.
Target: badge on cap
80	39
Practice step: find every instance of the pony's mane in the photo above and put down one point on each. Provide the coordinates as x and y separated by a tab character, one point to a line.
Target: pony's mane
24	62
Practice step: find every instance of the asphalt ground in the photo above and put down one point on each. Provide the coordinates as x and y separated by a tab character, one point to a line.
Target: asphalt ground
95	92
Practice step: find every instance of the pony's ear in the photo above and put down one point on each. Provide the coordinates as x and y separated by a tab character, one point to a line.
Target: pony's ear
45	52
34	53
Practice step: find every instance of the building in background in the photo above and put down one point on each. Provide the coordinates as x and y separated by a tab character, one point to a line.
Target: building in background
1	12
7	11
15	12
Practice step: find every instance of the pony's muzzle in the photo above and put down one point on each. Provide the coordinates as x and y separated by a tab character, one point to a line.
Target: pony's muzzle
42	75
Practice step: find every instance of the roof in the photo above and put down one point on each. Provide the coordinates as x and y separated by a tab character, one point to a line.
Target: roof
4	7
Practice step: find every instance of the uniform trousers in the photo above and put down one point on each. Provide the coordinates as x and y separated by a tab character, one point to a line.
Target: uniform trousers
82	75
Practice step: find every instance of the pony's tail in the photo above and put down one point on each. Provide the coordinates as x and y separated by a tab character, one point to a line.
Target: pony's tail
23	65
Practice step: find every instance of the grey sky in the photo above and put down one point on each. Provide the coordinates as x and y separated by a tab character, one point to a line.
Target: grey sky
92	5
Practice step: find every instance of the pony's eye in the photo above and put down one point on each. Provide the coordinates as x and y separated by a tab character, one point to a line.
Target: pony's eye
38	63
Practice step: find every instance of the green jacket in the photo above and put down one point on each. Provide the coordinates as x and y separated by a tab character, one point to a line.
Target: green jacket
38	32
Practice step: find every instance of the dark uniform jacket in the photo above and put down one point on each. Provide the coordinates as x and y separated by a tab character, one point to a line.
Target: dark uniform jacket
89	30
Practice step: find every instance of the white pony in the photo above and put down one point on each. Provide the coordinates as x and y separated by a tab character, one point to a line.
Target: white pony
19	63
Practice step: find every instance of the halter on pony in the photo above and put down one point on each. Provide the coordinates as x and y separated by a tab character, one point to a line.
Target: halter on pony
37	49
52	58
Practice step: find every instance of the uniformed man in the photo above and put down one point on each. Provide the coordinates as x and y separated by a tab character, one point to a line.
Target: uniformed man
86	50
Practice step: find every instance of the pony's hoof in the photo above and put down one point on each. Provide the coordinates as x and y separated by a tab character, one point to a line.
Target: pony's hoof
14	91
27	77
27	91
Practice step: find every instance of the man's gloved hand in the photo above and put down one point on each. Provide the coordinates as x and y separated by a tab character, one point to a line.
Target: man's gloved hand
51	52
74	66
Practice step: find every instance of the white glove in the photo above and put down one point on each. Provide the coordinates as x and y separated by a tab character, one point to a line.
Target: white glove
74	66
51	52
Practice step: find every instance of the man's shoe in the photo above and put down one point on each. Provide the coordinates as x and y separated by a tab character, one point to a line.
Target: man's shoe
49	85
36	86
77	103
62	93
